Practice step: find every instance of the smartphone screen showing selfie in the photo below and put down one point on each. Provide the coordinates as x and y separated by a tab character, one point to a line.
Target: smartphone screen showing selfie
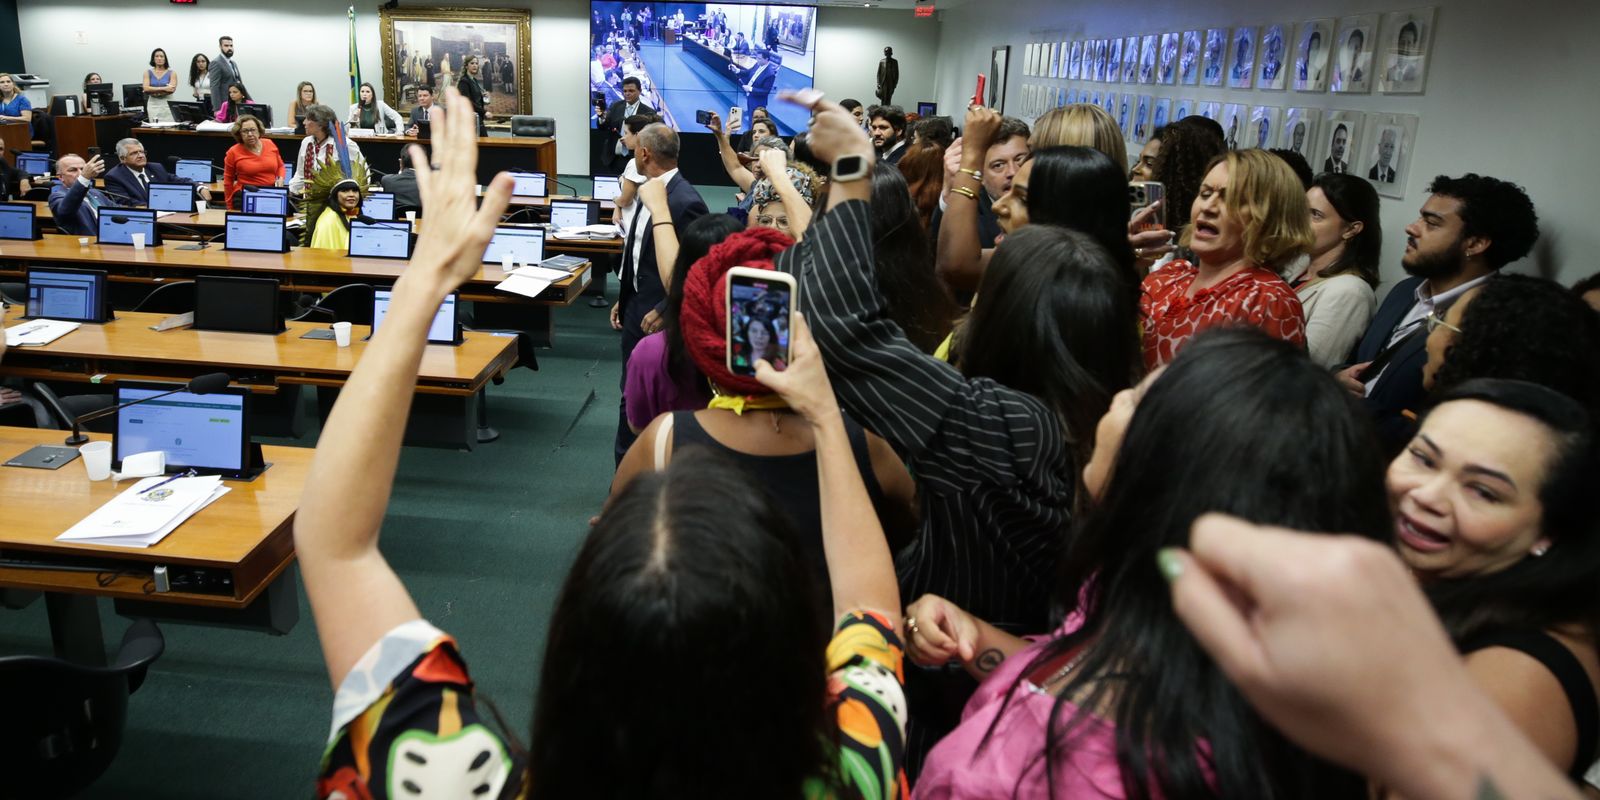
760	311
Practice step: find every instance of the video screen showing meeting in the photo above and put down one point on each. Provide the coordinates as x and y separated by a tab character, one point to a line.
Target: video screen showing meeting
692	57
17	220
73	295
194	430
261	233
378	205
380	239
174	197
33	163
524	245
441	331
118	225
194	169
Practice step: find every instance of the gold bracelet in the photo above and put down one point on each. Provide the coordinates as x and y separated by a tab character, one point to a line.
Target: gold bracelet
962	190
976	175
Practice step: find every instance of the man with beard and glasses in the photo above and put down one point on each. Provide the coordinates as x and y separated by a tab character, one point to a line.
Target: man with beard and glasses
1468	229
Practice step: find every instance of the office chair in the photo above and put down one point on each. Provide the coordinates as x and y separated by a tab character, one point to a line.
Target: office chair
526	125
63	410
64	721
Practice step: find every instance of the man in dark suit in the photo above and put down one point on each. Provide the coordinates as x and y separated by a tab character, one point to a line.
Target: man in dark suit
643	297
614	154
887	127
1470	227
757	81
222	72
74	202
1384	169
132	177
422	112
403	185
1336	161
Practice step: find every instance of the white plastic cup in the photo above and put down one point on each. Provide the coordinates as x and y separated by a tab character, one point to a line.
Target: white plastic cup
96	460
411	216
505	262
199	205
83	241
138	241
341	334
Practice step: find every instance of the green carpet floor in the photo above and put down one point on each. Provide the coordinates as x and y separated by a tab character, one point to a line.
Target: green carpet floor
483	541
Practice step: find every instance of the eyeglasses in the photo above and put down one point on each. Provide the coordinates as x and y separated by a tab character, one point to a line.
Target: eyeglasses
1435	322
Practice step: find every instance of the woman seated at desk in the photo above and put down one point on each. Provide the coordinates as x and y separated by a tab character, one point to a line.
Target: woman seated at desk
331	228
237	96
318	147
373	114
254	161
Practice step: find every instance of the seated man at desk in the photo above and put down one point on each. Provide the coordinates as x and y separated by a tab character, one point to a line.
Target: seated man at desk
74	202
132	178
421	113
740	46
757	81
403	185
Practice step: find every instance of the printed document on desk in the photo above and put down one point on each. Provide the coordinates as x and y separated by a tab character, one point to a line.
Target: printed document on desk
38	332
136	518
523	284
603	231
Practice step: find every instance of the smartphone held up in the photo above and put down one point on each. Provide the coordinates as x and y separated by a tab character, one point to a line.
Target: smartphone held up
761	305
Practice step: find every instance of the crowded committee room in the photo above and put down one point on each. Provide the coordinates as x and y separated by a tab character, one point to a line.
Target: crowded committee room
946	399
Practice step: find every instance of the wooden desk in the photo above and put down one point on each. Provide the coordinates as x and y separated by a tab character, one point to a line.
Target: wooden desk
245	535
78	134
15	136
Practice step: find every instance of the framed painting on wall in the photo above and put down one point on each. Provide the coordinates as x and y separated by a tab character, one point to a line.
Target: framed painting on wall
999	57
428	47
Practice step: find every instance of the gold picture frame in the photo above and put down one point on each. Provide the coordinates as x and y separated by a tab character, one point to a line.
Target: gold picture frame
498	36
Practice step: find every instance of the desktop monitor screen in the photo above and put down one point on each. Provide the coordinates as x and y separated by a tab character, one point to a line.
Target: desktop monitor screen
33	163
380	239
525	245
194	169
528	184
573	213
378	205
206	432
607	187
118	225
187	111
18	221
178	197
260	111
445	328
265	200
262	233
73	295
288	173
241	305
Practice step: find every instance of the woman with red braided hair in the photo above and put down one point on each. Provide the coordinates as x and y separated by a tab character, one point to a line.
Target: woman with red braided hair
749	425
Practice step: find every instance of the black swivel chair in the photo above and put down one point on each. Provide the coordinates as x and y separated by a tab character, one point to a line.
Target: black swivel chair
526	125
64	721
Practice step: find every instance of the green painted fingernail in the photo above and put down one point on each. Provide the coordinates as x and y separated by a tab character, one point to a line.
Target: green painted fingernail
1169	562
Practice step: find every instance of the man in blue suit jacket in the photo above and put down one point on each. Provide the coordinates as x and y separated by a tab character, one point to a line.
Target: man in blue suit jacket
132	178
643	297
757	81
1469	228
73	199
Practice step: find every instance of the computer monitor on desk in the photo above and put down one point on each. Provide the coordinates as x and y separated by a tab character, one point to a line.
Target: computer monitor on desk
260	111
380	239
529	184
607	187
265	200
260	233
19	221
239	305
187	111
378	205
174	197
524	245
99	96
194	169
118	225
574	213
65	105
71	295
208	433
33	163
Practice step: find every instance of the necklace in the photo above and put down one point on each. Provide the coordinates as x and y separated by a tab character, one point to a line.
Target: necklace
1072	664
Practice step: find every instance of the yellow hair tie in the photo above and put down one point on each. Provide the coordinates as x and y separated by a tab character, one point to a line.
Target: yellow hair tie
739	404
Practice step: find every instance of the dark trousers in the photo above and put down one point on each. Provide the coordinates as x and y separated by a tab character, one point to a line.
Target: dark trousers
633	311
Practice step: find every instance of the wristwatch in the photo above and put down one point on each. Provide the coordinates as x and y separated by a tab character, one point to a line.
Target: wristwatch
850	168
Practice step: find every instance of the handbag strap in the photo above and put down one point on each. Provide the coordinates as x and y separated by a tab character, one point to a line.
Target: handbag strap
663	434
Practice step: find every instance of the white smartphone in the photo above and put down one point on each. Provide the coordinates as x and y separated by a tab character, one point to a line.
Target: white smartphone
761	305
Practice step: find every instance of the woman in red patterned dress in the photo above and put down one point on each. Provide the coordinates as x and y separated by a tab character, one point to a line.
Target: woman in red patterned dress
1249	219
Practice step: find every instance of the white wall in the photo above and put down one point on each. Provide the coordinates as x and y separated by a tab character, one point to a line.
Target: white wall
1509	93
850	44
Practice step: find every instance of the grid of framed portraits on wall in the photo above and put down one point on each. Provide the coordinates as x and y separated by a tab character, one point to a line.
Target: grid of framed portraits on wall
1273	84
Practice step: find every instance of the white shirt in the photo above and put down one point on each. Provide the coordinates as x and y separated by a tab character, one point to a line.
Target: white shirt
641	227
1427	303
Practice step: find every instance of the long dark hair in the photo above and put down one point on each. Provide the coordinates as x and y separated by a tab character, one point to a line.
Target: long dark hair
195	72
1354	200
1239	423
694	242
1079	188
1527	329
1187	148
692	584
1559	587
915	298
233	108
1058	318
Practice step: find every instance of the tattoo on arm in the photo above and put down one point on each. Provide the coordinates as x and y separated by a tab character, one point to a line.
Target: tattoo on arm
989	659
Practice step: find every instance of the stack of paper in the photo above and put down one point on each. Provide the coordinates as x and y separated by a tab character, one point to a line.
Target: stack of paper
531	281
38	332
605	231
140	518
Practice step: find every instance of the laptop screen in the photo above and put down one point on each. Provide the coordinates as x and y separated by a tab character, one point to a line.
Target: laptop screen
171	197
194	169
607	187
65	294
266	200
380	240
118	225
525	245
569	213
33	163
378	205
194	430
16	220
262	233
442	330
528	184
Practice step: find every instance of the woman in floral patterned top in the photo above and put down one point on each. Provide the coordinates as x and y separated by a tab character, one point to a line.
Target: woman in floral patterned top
1249	220
683	659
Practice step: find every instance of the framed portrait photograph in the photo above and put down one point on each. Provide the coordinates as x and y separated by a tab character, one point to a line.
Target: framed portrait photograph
1311	55
1113	60
1272	72
428	47
1386	151
1098	98
1161	114
1210	109
1168	71
1074	60
1242	64
1299	132
1141	119
1189	59
1352	56
1124	113
1183	107
1403	57
1100	47
1339	141
1264	126
1234	117
1130	60
1030	60
1147	57
1216	52
999	58
1109	102
1052	65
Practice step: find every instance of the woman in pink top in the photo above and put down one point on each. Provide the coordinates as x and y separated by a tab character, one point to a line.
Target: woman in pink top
1120	701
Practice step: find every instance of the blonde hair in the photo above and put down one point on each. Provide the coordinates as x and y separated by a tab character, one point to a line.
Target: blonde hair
15	89
1081	125
1268	198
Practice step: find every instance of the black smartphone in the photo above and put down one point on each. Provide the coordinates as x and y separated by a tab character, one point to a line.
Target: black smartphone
761	304
94	151
702	117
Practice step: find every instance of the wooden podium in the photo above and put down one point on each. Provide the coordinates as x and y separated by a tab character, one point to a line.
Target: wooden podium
78	134
15	136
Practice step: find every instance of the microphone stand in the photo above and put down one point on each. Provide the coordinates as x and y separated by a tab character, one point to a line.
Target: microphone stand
78	437
204	240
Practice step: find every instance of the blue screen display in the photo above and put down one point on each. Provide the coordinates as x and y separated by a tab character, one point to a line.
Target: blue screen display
176	197
195	170
381	240
63	294
16	221
262	234
268	200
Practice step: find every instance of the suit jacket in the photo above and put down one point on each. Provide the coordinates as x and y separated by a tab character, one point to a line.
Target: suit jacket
686	205
760	85
1329	165
72	214
1400	388
1380	173
403	185
222	72
121	180
616	114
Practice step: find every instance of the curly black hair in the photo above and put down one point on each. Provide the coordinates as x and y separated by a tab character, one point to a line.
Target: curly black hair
1530	329
1586	285
1187	147
1495	209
